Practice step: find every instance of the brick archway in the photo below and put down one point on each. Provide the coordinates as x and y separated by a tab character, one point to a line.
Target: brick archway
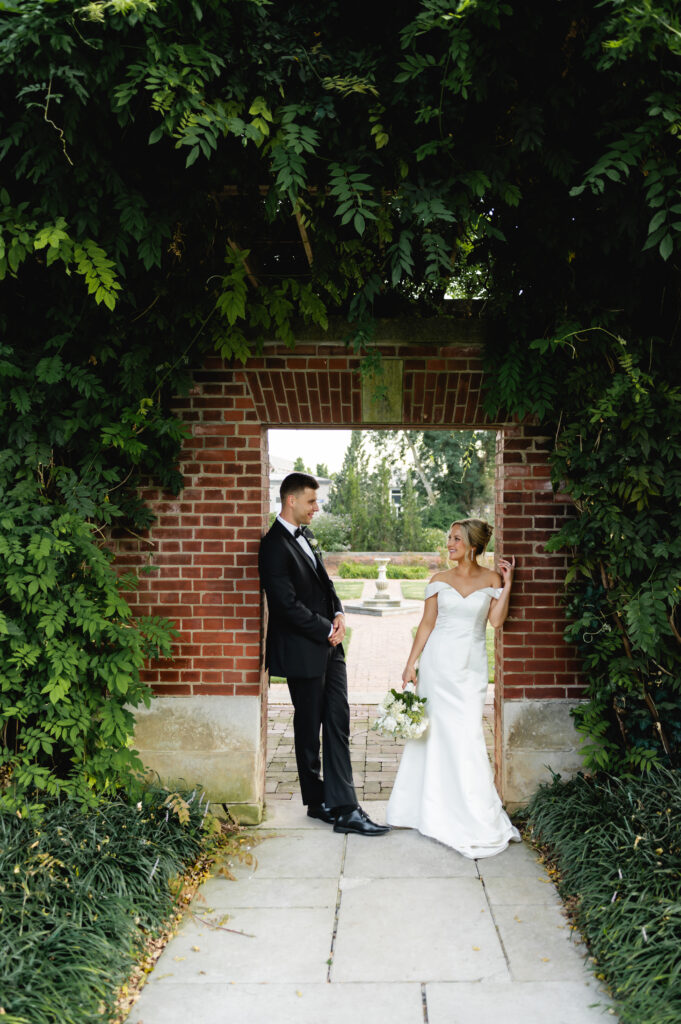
208	723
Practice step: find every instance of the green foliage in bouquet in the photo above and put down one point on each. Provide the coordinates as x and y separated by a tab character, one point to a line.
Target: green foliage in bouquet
402	714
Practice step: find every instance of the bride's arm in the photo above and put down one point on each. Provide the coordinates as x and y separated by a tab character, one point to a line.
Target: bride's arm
499	607
426	626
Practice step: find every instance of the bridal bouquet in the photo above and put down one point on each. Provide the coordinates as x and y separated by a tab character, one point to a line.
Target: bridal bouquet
402	715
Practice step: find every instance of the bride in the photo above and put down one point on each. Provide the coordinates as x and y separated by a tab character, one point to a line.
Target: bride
444	786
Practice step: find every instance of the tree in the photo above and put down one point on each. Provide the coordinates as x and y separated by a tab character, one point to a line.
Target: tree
299	466
383	522
365	497
323	470
454	470
411	529
349	492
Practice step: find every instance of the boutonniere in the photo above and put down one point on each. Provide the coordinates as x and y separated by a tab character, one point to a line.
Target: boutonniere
314	544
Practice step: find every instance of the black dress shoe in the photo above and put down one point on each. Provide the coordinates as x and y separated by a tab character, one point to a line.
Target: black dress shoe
322	812
359	822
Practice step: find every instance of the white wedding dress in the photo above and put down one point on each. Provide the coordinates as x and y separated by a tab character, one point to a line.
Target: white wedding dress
444	786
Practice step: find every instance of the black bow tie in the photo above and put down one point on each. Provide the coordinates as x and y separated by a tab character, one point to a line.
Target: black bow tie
299	532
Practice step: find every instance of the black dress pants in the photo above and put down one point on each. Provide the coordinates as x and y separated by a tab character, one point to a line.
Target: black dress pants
321	704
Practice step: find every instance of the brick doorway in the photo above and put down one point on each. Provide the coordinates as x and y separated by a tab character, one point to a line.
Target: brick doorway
377	653
208	723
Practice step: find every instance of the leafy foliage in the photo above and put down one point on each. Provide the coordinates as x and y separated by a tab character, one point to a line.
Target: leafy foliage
364	571
332	531
83	890
617	844
618	456
180	178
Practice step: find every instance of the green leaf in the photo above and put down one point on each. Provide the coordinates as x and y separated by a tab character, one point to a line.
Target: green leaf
666	247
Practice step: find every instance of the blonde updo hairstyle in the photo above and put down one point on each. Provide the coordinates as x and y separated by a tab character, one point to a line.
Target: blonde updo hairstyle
477	534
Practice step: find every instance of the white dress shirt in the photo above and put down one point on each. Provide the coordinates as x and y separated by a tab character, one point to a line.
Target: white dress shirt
300	539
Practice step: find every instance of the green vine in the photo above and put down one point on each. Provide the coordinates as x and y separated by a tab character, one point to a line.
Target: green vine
182	178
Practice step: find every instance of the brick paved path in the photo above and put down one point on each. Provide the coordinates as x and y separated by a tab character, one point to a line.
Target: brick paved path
374	758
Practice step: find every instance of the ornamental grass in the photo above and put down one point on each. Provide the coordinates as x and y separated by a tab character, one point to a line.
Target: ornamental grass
82	893
617	847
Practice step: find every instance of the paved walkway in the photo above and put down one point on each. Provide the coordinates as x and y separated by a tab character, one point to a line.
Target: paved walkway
374	758
332	929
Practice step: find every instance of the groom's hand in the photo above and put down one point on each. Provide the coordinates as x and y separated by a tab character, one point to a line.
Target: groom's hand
338	631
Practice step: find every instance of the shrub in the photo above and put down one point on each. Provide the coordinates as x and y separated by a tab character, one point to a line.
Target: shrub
617	843
408	572
358	570
332	531
432	538
82	891
70	658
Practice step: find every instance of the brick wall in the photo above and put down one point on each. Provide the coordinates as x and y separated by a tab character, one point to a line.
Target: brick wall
534	660
203	547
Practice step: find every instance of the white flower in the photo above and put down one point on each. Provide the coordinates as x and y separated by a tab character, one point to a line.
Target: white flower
396	718
313	542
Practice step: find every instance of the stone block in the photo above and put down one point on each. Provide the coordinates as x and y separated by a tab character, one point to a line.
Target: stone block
209	741
538	737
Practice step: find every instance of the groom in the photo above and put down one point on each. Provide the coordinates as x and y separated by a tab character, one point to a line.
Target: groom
305	629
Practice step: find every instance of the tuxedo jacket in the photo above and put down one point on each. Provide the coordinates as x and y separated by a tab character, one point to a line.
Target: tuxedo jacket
302	603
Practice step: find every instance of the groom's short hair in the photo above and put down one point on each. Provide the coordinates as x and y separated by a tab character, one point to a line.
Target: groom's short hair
296	482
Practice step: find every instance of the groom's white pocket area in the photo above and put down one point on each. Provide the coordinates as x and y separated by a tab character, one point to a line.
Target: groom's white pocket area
402	715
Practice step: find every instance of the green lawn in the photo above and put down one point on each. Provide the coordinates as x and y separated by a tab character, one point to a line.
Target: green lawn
414	590
349	590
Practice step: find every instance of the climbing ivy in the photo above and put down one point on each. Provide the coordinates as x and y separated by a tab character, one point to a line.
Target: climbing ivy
178	178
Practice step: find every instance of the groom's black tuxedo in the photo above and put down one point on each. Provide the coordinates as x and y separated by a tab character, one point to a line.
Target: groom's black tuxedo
302	603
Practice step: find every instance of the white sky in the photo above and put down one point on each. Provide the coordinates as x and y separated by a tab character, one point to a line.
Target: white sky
314	445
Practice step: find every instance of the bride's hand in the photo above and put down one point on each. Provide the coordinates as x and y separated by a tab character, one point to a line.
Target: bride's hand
506	569
409	676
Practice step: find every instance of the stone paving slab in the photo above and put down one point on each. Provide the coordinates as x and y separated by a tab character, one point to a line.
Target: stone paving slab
253	891
426	929
280	815
344	929
281	1004
300	854
503	890
556	1002
287	944
518	859
405	853
539	943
